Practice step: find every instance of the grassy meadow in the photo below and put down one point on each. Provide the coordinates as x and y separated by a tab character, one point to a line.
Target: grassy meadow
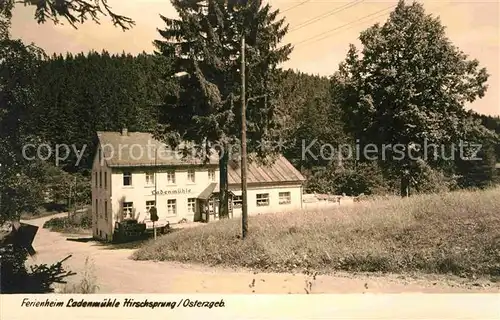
451	233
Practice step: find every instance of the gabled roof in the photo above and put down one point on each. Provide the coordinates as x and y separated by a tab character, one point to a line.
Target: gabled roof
279	171
137	149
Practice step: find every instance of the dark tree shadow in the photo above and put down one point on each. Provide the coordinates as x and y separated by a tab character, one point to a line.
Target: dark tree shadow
16	278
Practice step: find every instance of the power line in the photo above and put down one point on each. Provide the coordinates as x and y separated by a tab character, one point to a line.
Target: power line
351	24
327	14
329	33
295	6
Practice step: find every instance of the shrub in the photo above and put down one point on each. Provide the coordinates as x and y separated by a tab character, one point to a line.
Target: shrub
65	224
365	178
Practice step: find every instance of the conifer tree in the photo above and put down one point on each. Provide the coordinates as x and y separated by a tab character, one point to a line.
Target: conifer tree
204	42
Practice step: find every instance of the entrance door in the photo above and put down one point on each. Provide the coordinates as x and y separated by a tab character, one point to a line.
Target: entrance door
202	211
213	207
192	208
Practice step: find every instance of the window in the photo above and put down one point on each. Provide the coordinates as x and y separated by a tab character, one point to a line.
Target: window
285	198
191	176
96	180
262	199
211	175
96	207
100	179
171	177
106	210
237	201
127	209
105	180
172	207
127	179
191	205
149	205
150	179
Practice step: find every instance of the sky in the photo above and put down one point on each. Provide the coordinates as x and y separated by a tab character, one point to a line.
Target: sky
320	30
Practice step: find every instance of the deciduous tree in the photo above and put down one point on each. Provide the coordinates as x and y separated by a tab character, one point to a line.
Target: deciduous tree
408	85
19	190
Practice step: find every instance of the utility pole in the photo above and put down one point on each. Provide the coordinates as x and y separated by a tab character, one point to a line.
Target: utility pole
75	197
69	201
156	193
244	207
1	191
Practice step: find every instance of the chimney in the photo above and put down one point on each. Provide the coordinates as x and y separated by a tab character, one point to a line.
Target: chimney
124	132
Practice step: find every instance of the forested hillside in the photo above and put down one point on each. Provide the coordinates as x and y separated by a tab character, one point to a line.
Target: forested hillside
81	94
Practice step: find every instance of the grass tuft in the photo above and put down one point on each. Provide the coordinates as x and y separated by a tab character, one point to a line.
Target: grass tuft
88	283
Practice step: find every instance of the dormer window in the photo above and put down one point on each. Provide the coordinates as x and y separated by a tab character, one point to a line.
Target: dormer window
211	175
150	179
127	179
191	176
171	177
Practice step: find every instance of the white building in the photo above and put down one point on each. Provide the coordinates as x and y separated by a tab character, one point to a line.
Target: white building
132	172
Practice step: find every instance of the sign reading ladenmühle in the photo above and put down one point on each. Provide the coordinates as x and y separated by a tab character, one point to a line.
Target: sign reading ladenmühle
153	214
171	192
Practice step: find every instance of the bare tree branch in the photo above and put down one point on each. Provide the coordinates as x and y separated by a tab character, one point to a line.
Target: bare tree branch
74	11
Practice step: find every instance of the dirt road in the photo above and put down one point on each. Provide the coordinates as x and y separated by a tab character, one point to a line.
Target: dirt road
116	273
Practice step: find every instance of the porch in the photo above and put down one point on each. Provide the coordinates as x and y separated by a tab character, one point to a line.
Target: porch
208	204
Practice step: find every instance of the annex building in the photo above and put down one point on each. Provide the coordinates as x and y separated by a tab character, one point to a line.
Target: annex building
130	176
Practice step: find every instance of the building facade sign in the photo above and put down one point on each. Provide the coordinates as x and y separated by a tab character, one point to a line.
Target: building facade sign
171	192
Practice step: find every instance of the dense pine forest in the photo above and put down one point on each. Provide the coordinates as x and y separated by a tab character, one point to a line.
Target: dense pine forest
81	94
